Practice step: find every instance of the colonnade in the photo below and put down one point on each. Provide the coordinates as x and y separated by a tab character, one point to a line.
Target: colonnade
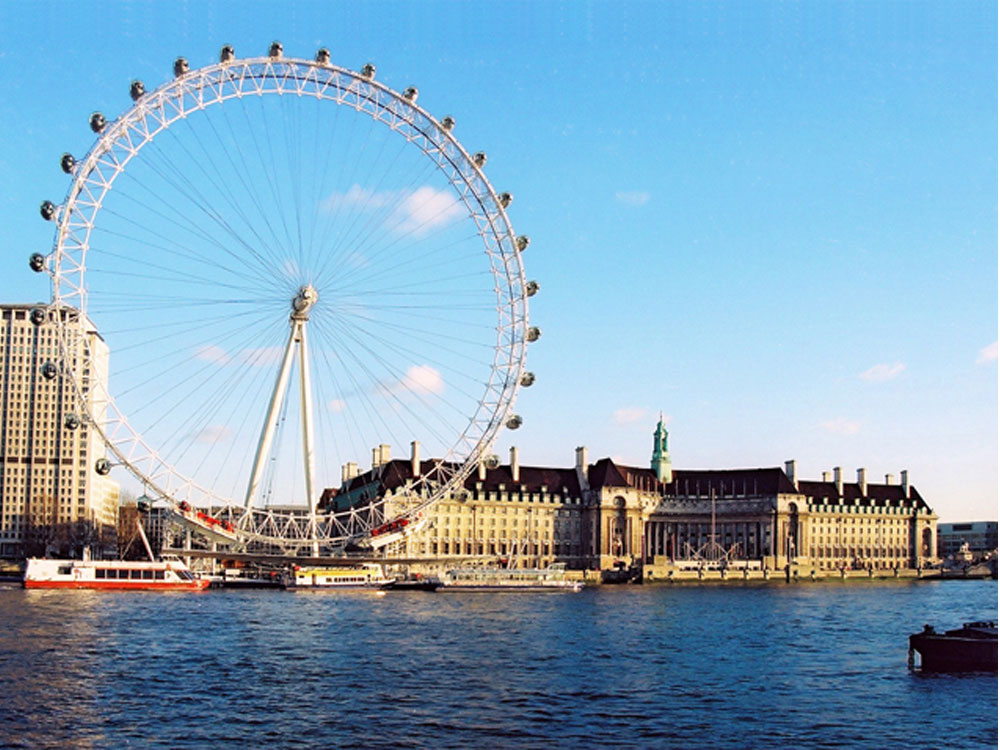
678	539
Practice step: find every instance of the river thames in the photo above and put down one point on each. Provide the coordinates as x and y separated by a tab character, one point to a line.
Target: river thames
744	666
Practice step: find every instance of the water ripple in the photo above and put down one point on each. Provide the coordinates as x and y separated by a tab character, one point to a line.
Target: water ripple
646	667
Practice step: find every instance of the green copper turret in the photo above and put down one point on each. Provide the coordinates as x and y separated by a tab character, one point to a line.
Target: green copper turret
661	455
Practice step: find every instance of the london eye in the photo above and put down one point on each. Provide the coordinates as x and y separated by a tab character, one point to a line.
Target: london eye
287	265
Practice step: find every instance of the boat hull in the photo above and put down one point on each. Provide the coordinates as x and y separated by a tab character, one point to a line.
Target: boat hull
197	585
507	587
948	654
424	585
971	648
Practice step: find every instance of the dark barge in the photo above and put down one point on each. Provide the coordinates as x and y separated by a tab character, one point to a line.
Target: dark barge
971	648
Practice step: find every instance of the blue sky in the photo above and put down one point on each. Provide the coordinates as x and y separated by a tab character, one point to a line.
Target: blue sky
774	222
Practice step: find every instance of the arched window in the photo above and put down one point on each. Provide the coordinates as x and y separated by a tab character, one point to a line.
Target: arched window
619	537
793	542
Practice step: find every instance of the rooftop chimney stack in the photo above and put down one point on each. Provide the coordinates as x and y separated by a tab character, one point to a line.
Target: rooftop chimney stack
904	479
352	469
826	477
790	473
838	479
415	459
862	482
376	455
515	467
385	454
889	479
482	469
581	468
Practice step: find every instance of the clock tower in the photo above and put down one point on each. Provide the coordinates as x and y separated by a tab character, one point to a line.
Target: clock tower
661	455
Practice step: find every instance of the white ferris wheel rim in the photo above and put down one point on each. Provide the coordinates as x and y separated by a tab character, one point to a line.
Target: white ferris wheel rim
153	113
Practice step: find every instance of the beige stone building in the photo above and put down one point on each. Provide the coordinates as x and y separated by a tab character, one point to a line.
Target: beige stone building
51	497
605	515
531	515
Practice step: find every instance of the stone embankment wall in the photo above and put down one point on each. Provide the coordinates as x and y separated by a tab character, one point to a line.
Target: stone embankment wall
666	574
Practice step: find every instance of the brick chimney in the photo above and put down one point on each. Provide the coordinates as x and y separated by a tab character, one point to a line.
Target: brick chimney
515	466
889	479
904	479
862	482
838	479
826	477
385	454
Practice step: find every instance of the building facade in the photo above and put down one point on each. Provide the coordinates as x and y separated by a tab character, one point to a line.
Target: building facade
605	515
981	536
51	497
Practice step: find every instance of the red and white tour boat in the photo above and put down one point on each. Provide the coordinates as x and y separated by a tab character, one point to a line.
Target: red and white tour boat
122	575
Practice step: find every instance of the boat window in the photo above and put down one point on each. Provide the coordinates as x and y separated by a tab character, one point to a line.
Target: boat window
65	570
135	574
159	574
147	575
100	573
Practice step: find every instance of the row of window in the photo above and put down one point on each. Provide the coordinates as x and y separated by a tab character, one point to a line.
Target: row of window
133	575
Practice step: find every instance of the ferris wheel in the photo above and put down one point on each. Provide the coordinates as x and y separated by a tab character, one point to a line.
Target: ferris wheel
283	267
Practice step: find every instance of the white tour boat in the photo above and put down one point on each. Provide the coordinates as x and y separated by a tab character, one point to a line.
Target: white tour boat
552	578
363	576
120	575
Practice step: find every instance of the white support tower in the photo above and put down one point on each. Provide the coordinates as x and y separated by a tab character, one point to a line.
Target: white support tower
301	304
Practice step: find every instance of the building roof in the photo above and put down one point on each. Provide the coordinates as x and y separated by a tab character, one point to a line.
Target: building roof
397	472
607	473
692	482
881	494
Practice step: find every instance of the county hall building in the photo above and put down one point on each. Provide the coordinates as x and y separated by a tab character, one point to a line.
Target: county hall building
604	515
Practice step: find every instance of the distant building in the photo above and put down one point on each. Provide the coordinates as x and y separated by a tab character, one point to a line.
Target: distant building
981	536
604	514
51	497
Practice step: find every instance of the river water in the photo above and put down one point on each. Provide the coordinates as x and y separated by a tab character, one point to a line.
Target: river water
799	666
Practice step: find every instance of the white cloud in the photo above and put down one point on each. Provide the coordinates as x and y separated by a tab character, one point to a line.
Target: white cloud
358	196
418	379
214	433
416	211
423	379
212	353
336	405
882	372
987	354
632	197
628	414
426	208
842	426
